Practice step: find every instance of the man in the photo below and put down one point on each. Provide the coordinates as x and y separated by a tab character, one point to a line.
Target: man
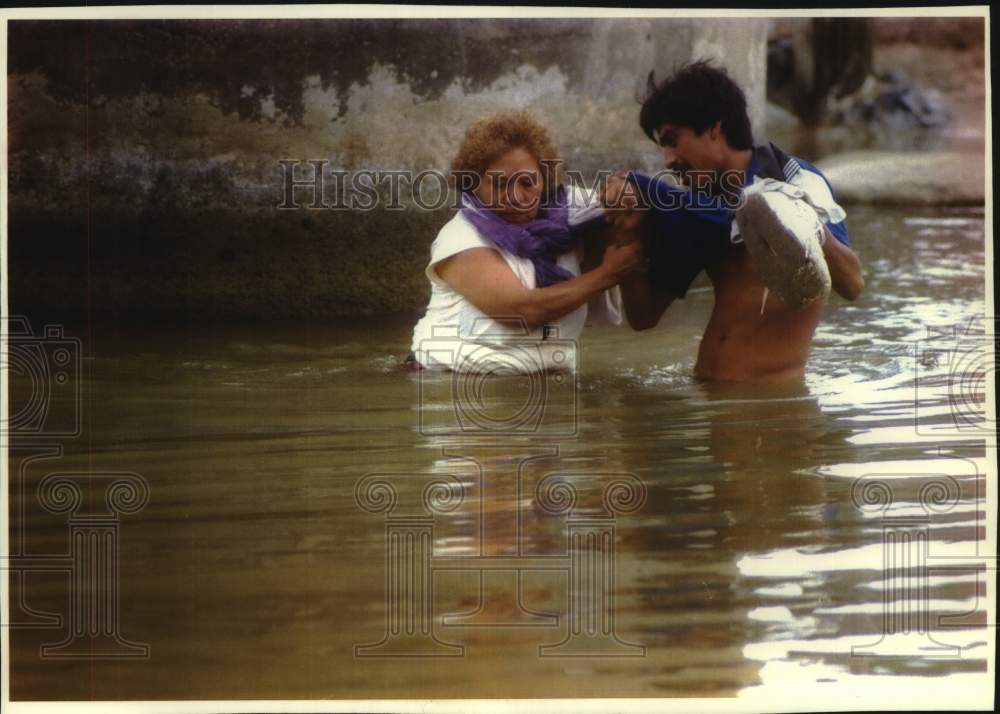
698	117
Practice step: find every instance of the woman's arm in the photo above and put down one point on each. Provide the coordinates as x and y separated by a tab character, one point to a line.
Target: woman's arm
483	277
593	240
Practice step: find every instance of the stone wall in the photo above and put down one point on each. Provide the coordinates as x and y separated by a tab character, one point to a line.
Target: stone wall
143	155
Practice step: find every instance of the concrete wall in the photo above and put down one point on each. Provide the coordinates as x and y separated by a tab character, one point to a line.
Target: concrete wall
143	156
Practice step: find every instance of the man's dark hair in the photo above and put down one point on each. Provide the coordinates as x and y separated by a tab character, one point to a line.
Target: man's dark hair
696	96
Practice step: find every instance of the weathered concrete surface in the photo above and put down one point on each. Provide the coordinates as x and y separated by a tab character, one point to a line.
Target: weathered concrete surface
143	156
921	179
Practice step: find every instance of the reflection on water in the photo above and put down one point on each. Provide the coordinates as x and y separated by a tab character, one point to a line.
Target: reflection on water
754	560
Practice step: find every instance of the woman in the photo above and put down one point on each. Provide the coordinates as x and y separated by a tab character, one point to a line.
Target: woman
505	272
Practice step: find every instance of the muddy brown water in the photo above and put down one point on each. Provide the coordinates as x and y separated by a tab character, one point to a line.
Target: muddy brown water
746	558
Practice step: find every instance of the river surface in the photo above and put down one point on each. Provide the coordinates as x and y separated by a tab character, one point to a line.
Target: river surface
717	541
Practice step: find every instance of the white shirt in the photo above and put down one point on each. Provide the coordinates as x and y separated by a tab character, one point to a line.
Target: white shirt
455	331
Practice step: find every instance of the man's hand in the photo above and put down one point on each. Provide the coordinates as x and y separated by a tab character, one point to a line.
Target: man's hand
845	267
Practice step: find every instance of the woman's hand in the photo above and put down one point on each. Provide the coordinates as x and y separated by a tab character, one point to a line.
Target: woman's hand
619	198
621	209
623	258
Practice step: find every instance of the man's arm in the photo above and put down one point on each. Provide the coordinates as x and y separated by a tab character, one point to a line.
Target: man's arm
644	304
593	240
845	267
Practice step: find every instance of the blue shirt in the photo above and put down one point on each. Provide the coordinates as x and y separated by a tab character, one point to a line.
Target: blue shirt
693	231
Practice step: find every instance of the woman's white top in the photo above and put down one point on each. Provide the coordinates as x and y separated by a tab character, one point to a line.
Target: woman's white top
454	333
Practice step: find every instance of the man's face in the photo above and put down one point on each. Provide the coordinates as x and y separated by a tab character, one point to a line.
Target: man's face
684	150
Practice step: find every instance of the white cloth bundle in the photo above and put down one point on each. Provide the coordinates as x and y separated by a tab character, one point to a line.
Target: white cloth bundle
783	232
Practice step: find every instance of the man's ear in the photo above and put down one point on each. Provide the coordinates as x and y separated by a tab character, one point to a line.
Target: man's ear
715	130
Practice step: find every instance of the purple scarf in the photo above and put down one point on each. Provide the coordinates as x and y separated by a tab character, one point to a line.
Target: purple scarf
541	241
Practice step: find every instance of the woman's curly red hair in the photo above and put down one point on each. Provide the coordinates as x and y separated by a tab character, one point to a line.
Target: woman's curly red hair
491	136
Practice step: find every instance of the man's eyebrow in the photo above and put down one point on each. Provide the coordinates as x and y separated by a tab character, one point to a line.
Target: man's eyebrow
667	137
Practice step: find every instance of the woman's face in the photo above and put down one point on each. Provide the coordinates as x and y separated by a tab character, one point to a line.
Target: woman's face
512	186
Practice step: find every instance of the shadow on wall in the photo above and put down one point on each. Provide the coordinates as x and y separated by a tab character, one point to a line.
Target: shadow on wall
144	154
